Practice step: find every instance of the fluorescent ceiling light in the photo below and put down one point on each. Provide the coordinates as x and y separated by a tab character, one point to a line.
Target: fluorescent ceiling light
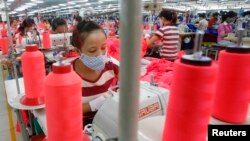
33	4
87	4
81	1
20	9
21	15
38	1
62	4
109	0
71	3
78	6
55	6
13	12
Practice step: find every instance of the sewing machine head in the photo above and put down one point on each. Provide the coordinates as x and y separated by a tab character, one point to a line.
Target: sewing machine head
153	102
60	40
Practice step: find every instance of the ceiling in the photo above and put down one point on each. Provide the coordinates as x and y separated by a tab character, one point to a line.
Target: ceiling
31	7
20	7
207	4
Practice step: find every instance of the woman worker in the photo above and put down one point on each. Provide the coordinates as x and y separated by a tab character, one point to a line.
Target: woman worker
225	28
169	34
93	66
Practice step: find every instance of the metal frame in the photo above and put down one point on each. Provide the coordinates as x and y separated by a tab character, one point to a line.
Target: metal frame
131	15
13	60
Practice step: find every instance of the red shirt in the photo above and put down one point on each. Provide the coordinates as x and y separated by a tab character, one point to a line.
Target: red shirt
211	22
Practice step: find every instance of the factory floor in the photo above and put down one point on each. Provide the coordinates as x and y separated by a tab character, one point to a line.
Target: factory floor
8	118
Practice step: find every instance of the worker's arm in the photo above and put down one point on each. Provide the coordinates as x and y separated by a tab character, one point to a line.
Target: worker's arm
86	108
152	40
93	105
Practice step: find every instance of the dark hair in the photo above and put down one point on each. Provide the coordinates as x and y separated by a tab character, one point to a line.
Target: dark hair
78	19
169	15
26	23
12	21
45	21
246	13
226	15
58	22
202	15
82	31
216	14
50	21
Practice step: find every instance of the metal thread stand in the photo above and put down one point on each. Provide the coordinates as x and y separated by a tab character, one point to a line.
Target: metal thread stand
13	60
131	13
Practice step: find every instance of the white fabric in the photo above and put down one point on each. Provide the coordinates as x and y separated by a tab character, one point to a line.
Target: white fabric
96	103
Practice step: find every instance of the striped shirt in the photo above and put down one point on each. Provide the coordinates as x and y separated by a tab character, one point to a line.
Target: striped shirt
94	89
170	40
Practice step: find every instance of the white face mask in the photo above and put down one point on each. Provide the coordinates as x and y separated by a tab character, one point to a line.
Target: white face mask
75	22
94	63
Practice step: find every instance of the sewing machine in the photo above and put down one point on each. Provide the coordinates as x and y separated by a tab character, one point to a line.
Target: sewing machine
245	24
153	102
58	40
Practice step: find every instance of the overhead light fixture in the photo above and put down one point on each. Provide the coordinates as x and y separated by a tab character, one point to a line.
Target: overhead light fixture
32	4
39	2
55	6
81	1
87	4
71	3
78	6
108	0
21	15
62	4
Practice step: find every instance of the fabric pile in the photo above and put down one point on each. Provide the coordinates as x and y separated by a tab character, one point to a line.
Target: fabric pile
113	46
161	70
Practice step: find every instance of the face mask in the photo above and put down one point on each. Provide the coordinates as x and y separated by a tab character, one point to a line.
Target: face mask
75	22
94	63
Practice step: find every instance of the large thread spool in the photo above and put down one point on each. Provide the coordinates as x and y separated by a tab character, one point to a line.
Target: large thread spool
191	98
4	31
232	89
5	45
33	74
46	40
64	104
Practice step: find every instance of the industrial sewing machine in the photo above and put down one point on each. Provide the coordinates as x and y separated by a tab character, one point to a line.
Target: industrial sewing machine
245	24
62	39
57	40
153	102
